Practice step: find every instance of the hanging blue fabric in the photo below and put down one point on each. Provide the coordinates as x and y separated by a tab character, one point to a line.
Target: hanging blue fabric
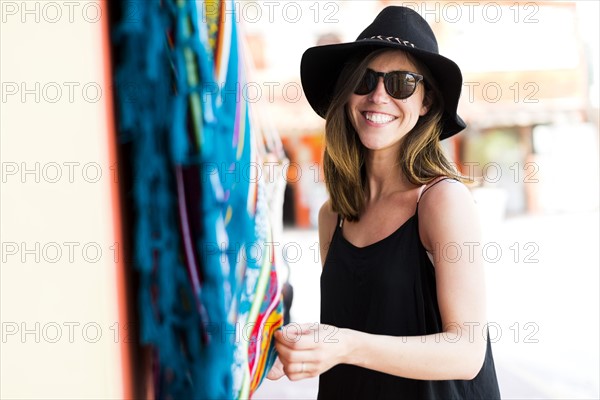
181	112
150	119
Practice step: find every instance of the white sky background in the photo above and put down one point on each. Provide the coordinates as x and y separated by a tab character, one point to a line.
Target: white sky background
588	13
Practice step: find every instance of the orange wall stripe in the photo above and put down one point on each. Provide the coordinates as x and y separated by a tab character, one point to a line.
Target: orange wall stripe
120	265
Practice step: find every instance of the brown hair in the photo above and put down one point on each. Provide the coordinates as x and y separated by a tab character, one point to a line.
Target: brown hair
421	157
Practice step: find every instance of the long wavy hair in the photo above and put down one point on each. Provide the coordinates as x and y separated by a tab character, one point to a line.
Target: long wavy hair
421	156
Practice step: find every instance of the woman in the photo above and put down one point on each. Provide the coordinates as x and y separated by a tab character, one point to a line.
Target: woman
402	291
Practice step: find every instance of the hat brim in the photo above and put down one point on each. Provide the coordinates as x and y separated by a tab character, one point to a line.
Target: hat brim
321	66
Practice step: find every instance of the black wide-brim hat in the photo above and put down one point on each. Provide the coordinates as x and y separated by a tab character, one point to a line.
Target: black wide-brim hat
395	27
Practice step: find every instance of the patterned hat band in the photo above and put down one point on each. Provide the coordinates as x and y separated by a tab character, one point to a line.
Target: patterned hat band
390	39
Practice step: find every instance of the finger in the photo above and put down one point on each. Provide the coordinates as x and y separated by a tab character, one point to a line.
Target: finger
300	329
274	377
282	349
294	358
287	355
275	374
276	371
308	327
301	370
279	336
301	350
301	342
297	339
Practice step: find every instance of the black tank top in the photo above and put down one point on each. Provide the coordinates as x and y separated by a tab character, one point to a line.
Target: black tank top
388	288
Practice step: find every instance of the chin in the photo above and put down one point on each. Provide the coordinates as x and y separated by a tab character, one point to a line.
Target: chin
375	143
378	146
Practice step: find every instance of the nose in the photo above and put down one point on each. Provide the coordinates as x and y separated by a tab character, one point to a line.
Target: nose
379	95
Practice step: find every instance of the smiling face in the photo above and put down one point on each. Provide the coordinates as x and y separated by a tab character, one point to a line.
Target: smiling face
379	119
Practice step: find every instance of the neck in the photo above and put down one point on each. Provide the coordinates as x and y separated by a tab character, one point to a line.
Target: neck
384	175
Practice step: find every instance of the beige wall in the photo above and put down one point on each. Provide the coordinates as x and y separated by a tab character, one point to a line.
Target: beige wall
62	205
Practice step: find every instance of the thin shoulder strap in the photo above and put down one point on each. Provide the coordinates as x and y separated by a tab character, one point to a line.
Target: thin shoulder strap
430	185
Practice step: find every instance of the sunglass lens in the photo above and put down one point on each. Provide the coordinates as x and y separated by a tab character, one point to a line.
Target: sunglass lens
400	85
367	83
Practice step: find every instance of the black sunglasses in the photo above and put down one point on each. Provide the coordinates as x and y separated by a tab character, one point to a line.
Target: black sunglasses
398	84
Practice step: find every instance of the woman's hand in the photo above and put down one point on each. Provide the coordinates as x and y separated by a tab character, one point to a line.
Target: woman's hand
276	371
308	350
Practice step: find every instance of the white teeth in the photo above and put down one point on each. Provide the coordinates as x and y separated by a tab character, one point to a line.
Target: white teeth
379	118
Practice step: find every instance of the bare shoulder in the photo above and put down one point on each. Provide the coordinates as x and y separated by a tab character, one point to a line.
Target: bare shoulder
327	222
446	193
447	212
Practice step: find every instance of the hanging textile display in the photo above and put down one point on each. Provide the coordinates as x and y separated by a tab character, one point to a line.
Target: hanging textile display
208	296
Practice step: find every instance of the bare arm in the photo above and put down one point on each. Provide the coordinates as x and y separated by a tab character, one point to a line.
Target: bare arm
447	215
327	221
